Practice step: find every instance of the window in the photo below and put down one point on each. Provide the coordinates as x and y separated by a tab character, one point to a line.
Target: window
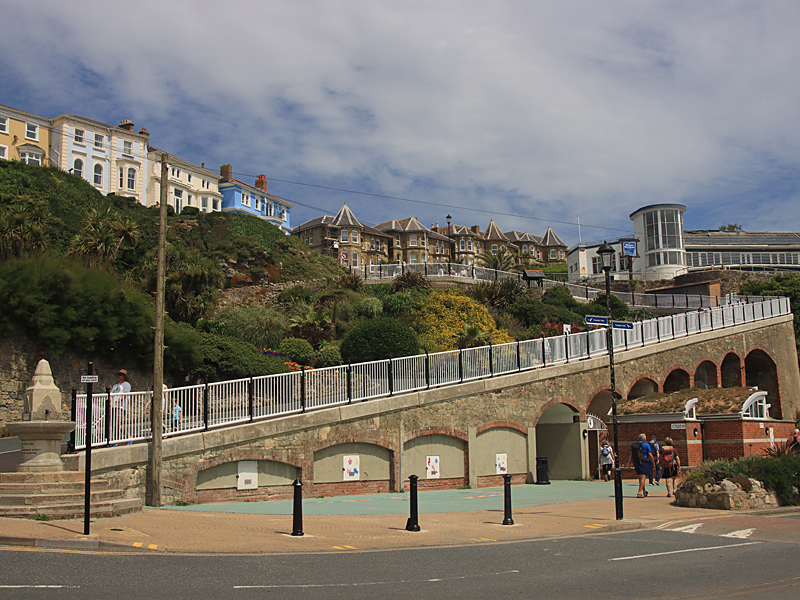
98	174
355	241
178	198
3	152
3	124
412	239
258	202
371	265
204	203
310	237
246	199
412	258
98	140
127	148
190	200
461	244
372	244
176	172
77	167
189	177
31	131
355	259
469	245
553	254
131	179
494	248
30	158
80	136
398	241
345	235
215	204
422	240
121	177
597	265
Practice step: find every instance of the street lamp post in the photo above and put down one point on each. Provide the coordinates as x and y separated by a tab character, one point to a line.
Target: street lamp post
449	244
606	252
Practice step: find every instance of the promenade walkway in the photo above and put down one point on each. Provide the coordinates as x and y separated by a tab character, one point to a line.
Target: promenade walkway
357	523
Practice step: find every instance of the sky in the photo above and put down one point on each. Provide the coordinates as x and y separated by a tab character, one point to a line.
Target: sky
533	113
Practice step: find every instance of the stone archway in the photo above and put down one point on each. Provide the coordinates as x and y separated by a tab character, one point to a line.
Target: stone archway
642	387
600	405
731	371
677	380
761	371
705	376
559	440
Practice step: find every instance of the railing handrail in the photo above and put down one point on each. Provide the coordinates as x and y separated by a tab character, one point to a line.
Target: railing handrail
309	389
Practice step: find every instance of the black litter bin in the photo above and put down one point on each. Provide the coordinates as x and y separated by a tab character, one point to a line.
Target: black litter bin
542	471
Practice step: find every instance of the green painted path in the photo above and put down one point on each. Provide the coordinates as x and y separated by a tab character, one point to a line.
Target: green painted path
439	501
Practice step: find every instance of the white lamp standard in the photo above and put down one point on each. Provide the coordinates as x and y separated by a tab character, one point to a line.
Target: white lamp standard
606	252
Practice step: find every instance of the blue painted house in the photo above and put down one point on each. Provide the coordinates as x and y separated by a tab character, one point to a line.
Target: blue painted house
245	199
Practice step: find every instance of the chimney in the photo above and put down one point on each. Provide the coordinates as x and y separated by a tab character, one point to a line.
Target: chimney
143	131
127	125
261	183
476	229
202	165
225	173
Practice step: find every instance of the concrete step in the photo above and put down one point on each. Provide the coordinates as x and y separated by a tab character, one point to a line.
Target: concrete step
110	508
47	477
56	498
48	488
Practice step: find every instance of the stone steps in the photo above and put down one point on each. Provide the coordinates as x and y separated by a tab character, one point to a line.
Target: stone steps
60	495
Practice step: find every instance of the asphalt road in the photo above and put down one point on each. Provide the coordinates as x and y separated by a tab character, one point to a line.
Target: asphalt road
657	563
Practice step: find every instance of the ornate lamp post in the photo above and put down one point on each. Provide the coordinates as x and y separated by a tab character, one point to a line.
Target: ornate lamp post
606	252
449	244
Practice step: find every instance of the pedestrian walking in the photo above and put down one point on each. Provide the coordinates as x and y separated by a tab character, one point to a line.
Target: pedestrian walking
606	460
643	462
119	404
670	466
657	457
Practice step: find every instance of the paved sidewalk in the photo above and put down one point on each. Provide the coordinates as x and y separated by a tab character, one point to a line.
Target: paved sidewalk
352	523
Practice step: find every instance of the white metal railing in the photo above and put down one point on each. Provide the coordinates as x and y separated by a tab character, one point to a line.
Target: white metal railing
446	269
121	418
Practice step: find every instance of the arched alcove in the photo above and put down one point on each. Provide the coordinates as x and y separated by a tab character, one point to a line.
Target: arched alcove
642	387
731	371
677	380
705	376
761	371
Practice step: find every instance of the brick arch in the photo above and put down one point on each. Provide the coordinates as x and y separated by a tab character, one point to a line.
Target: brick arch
707	359
448	431
738	374
675	369
504	424
641	377
188	483
559	400
353	439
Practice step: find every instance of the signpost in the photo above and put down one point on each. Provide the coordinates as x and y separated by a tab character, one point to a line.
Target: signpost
622	325
87	488
596	320
629	248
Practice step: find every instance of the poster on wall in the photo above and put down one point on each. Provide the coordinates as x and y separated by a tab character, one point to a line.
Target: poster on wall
502	463
352	469
432	467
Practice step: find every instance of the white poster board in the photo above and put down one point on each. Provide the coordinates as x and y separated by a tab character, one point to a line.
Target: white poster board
432	467
352	468
502	463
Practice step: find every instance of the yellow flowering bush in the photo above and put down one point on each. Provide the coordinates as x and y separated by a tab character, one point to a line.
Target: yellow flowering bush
445	313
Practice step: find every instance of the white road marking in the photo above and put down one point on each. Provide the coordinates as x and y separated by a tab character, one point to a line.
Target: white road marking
38	587
682	551
361	584
742	534
688	528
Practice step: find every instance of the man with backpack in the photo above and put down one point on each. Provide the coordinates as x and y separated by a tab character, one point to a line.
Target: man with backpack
657	456
643	462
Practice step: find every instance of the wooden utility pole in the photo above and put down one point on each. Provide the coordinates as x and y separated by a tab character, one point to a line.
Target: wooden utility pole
156	408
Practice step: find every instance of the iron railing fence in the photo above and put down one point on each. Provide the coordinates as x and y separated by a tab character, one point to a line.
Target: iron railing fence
121	418
447	269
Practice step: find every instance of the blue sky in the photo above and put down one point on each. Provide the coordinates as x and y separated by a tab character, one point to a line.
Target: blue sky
540	112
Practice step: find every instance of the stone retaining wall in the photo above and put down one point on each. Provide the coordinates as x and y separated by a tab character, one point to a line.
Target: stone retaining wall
727	495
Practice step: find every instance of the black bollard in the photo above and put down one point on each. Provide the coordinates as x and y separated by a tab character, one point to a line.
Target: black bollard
413	521
507	504
297	520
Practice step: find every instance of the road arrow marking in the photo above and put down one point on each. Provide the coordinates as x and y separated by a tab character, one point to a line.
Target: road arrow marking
688	528
741	534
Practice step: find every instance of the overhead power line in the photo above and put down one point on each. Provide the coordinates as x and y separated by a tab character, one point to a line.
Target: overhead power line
427	202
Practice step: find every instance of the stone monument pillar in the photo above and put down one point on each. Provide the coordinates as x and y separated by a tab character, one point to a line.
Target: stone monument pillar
41	429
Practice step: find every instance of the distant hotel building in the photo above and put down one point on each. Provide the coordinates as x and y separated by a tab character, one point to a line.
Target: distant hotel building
239	197
664	250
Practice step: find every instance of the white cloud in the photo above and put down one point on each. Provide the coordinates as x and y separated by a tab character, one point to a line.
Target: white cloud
550	110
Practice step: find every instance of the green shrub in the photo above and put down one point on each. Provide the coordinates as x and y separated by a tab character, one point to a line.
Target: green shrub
229	358
350	281
329	356
262	326
301	351
379	338
560	295
370	307
296	293
408	280
399	304
499	294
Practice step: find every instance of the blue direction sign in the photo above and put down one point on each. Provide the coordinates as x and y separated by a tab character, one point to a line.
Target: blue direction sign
621	325
597	321
629	248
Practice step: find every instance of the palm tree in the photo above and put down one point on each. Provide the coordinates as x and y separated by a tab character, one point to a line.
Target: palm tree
25	224
502	261
471	336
